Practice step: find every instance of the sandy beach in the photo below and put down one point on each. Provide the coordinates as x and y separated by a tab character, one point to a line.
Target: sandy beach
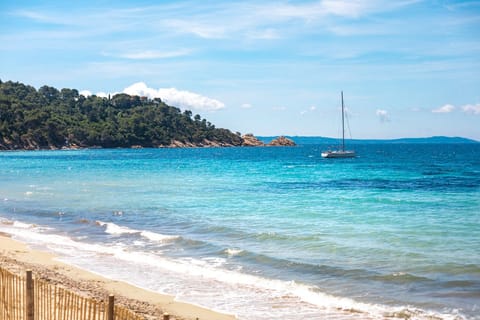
18	257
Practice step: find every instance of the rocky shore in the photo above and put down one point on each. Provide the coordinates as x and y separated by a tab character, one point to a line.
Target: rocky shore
248	140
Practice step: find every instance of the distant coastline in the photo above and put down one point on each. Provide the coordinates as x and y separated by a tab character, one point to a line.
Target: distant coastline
327	140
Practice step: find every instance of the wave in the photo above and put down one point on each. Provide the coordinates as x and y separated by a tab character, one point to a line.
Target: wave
157	236
34	234
401	277
231	252
18	224
6	222
213	278
14	224
258	287
114	229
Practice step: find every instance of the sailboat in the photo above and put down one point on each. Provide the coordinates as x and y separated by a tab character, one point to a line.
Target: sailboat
342	153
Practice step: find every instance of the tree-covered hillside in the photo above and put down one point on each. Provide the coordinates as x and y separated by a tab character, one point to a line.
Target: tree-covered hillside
48	118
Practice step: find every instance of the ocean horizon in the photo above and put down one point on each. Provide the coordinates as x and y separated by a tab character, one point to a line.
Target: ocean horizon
264	232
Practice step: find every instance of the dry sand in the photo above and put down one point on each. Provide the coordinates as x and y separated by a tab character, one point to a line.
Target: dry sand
18	257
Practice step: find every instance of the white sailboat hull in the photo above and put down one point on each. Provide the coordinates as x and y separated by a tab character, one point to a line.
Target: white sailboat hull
342	153
339	154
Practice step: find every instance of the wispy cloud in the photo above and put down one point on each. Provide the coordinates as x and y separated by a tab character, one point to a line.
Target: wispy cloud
321	9
41	17
150	54
201	29
230	24
352	8
444	109
214	20
266	34
246	106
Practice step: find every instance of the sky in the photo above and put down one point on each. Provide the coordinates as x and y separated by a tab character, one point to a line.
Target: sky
407	68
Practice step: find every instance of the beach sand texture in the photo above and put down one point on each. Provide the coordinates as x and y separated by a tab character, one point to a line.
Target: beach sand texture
16	257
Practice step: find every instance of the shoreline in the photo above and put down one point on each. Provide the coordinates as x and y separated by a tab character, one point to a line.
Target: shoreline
17	257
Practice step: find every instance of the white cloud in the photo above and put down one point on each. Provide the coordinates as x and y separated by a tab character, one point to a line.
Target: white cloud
171	96
142	90
189	100
85	93
103	94
471	108
444	109
246	106
383	115
174	97
468	108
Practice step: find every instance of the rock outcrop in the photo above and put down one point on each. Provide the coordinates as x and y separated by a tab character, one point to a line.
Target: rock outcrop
249	140
282	141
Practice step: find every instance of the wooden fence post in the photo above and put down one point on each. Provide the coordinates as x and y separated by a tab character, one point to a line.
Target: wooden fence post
29	302
111	307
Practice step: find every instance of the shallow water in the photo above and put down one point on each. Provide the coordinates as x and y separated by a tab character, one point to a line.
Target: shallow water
263	232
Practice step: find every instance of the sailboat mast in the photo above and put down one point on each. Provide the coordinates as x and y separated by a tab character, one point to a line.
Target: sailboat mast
343	126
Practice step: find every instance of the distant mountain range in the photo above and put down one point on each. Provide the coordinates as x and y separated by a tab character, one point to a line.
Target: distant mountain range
325	140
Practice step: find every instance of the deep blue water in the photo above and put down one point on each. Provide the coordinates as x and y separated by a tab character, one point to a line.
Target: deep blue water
263	232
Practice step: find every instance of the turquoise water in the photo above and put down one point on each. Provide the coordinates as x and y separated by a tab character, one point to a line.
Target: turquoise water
263	233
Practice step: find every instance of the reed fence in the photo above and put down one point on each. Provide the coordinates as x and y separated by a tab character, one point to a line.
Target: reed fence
25	298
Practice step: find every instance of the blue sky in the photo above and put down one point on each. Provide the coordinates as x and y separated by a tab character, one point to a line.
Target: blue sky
407	68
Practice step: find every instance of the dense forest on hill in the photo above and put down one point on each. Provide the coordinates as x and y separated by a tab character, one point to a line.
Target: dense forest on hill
49	118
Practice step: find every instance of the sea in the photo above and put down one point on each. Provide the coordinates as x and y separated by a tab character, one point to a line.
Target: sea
264	232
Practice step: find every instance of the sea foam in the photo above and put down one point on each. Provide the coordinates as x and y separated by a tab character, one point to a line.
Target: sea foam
202	280
114	229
